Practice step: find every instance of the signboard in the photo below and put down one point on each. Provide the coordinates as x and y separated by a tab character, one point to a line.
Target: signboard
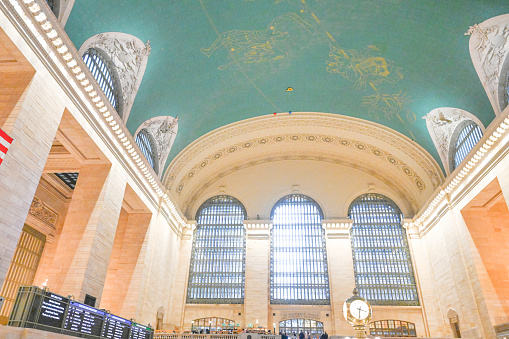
116	327
84	319
40	309
140	332
52	310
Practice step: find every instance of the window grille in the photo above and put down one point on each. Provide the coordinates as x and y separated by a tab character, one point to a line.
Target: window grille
216	273
298	261
103	74
69	179
467	139
147	146
382	264
313	327
23	267
392	328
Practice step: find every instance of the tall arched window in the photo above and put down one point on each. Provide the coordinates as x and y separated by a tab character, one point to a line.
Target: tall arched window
382	264
148	147
105	76
298	261
216	273
466	136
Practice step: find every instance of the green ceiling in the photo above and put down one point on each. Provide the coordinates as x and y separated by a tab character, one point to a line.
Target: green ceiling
214	62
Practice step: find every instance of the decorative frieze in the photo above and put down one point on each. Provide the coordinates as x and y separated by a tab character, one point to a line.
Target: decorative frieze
337	228
43	213
258	229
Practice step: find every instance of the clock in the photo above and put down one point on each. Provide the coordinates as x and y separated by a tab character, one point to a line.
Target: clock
356	310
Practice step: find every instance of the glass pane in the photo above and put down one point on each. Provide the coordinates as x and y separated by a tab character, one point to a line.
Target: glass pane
99	68
298	260
382	264
216	273
467	139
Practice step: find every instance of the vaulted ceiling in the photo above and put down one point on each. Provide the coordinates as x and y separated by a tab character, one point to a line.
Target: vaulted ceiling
215	62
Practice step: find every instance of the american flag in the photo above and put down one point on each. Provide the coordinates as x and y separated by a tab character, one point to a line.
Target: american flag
5	142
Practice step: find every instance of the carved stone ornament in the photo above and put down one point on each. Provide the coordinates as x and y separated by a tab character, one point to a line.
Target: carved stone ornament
489	49
39	211
164	130
129	55
441	123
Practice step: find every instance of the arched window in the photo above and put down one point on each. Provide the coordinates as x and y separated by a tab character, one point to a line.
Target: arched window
313	327
298	261
392	328
148	147
464	139
105	76
382	265
213	325
216	273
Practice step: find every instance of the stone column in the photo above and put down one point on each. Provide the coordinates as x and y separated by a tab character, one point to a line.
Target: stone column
257	296
176	309
341	273
122	288
33	129
86	241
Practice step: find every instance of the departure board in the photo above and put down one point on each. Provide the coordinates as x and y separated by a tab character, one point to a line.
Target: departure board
52	310
115	327
84	319
40	309
140	332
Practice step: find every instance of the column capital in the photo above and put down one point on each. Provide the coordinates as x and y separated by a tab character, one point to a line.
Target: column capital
258	229
412	228
337	228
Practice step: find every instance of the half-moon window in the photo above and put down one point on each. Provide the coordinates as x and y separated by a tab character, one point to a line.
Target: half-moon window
468	136
148	147
105	76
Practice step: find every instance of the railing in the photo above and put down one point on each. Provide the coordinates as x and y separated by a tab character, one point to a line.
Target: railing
197	336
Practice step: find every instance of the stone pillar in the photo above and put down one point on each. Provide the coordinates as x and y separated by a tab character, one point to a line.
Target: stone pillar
86	240
176	309
341	273
256	295
123	281
33	129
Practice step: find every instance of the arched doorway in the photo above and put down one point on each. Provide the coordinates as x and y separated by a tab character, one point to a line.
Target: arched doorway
313	327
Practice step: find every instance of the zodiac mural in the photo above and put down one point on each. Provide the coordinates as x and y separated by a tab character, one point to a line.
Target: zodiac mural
255	46
362	67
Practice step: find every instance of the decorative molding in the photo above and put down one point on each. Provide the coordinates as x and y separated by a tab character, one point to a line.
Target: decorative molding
489	50
49	42
403	188
129	55
258	229
209	142
337	228
164	130
441	123
267	141
43	213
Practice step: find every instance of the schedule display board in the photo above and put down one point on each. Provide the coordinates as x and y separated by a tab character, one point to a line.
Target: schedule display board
43	310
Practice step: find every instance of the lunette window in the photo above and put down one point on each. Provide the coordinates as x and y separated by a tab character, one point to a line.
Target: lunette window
98	65
381	257
298	261
148	147
217	269
467	139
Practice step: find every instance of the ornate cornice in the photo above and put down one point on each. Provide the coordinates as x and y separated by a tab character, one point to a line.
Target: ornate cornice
341	124
34	20
43	213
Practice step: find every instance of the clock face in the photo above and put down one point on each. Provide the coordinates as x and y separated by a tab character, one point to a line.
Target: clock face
359	309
